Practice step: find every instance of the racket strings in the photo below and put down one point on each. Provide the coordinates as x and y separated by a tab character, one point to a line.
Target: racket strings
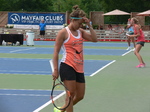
62	100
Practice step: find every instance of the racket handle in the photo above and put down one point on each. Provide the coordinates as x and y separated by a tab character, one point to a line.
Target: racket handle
51	64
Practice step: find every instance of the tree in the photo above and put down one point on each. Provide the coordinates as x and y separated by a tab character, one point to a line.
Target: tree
66	5
57	5
92	5
26	5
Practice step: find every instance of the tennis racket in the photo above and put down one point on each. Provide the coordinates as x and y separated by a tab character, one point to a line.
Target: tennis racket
60	95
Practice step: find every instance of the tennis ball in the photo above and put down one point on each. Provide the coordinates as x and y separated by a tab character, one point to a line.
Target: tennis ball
56	110
58	87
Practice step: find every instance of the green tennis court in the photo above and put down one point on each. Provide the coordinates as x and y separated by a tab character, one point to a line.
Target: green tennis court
118	87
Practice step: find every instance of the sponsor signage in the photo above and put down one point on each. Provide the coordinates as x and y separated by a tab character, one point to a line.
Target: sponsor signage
35	18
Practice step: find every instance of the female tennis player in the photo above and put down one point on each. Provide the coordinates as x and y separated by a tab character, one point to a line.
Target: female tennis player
71	40
130	32
138	33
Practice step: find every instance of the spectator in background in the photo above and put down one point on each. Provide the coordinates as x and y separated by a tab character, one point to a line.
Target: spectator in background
100	27
109	27
118	29
42	27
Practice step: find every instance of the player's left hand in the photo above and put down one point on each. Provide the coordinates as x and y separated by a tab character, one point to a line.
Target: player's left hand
86	20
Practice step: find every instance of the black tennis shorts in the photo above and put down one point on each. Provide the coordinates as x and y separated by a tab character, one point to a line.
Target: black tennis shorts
141	43
68	73
42	32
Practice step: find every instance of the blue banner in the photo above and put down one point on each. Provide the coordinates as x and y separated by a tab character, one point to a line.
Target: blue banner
35	18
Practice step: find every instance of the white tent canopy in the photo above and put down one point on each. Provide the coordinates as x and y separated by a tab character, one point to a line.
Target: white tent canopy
116	12
145	13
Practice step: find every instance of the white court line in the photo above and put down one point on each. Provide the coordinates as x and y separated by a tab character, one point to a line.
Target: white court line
49	102
8	71
22	95
6	89
21	50
126	53
102	68
25	74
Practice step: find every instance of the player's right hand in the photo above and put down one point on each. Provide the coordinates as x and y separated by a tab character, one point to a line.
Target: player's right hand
55	75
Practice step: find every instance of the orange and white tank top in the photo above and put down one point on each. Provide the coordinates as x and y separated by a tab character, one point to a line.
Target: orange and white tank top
73	51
